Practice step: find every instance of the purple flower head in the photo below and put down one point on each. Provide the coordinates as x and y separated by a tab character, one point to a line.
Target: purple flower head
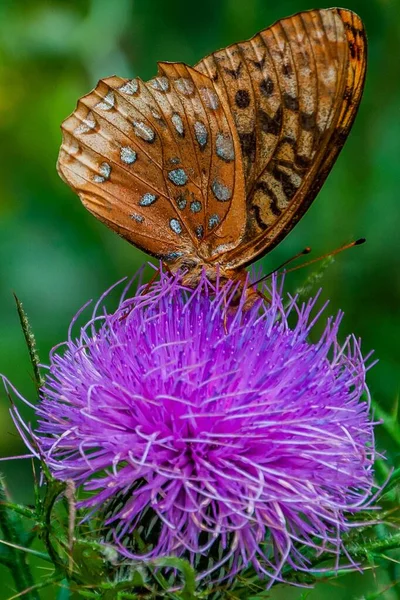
212	432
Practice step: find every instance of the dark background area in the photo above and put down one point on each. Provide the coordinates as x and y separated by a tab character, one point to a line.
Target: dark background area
56	256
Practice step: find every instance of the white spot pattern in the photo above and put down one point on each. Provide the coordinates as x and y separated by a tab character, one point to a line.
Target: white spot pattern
128	156
108	101
161	84
178	177
147	199
224	146
137	218
156	114
130	87
178	123
144	131
175	226
87	124
74	146
210	98
195	206
184	86
105	171
201	133
221	191
213	221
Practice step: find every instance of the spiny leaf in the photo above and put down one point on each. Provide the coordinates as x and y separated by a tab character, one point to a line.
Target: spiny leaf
36	553
30	342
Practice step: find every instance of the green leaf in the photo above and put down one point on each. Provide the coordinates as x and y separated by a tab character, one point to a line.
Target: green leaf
393	482
30	342
20	548
13	536
89	563
189	576
390	422
64	593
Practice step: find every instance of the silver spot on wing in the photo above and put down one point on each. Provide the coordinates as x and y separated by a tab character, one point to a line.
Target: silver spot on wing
209	98
213	221
224	147
175	226
144	131
161	84
108	101
130	87
104	173
184	86
221	191
87	124
199	231
178	177
128	156
137	218
201	133
178	124
181	202
147	199
195	206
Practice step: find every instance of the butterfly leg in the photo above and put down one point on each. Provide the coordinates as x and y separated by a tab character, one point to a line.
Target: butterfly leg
167	269
152	280
263	297
225	316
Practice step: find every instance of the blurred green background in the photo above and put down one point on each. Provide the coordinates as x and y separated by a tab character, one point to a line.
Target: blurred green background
56	256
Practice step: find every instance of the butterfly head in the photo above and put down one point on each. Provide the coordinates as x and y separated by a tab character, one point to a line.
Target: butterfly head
237	279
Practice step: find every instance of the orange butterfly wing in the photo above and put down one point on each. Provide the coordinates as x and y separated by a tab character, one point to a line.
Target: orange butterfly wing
158	163
294	90
217	163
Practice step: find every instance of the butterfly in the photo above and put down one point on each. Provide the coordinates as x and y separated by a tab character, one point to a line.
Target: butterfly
209	167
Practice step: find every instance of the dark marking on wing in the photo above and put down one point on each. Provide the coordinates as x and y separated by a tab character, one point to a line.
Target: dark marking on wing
269	124
235	73
287	70
248	144
259	64
267	87
290	102
289	189
308	121
266	189
242	98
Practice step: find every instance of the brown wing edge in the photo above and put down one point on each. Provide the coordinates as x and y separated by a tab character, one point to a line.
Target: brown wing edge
357	40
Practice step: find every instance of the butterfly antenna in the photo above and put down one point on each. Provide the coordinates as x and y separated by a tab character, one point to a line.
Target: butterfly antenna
310	262
328	254
286	262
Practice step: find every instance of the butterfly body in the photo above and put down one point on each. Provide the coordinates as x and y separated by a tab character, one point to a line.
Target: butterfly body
209	167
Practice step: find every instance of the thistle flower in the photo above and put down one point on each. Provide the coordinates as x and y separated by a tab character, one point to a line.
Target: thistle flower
223	436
